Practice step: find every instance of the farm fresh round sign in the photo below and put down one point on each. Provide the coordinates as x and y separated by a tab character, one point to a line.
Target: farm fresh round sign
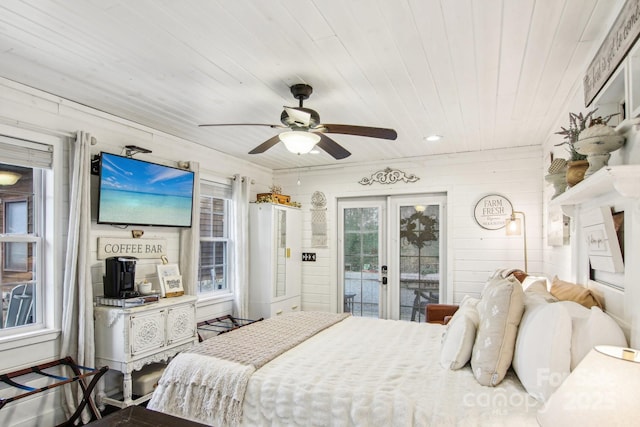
492	211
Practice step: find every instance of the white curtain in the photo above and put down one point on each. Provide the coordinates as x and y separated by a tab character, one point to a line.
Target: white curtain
241	188
77	303
190	239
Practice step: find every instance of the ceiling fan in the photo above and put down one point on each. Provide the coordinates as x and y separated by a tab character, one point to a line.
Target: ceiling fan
305	130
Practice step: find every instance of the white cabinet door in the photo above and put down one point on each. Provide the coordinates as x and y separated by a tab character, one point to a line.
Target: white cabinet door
181	323
147	332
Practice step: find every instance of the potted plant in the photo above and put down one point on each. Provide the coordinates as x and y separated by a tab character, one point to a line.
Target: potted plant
578	164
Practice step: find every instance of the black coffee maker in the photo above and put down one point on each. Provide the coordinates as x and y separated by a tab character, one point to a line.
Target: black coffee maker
119	278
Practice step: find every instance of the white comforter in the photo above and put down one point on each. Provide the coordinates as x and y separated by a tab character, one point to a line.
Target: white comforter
369	372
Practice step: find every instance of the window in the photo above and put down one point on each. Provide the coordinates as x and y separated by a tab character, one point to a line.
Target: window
25	168
213	276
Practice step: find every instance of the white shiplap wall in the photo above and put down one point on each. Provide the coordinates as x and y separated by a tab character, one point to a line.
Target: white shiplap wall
23	108
473	251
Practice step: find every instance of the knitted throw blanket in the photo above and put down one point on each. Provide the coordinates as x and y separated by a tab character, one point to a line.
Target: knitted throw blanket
207	383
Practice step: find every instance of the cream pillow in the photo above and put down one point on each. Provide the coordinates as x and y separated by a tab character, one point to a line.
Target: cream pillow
460	335
536	293
542	356
500	310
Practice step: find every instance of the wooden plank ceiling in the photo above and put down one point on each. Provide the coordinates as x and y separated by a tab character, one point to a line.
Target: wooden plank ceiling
485	74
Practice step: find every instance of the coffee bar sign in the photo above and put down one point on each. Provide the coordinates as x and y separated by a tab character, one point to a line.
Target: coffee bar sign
492	211
139	248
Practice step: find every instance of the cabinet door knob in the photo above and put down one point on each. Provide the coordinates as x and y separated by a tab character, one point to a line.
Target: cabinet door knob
294	307
279	312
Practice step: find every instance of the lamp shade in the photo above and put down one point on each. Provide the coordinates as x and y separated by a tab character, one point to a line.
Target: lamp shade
514	226
9	178
600	391
299	142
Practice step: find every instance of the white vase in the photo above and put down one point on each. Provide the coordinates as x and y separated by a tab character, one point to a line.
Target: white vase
559	181
598	150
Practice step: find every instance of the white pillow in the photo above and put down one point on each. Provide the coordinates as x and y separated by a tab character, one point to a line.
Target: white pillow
460	335
500	310
542	357
597	328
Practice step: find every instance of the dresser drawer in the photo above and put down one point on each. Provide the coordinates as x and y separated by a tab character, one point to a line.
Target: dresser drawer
285	306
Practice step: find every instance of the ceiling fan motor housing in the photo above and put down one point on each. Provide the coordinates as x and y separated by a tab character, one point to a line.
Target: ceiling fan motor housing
314	120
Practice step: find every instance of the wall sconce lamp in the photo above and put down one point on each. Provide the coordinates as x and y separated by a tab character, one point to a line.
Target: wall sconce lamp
516	227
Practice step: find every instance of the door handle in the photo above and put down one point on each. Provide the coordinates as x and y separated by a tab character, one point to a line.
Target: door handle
383	273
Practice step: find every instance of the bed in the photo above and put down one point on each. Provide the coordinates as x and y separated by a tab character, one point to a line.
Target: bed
358	371
496	363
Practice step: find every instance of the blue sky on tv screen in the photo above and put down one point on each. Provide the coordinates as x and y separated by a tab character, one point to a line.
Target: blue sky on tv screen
124	174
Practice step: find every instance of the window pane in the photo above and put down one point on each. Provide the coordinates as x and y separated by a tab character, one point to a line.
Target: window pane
212	275
212	217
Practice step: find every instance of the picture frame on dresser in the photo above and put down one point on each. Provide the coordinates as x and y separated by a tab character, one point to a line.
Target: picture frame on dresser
170	271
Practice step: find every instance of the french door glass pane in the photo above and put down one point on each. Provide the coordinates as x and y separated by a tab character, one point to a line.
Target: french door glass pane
419	259
361	239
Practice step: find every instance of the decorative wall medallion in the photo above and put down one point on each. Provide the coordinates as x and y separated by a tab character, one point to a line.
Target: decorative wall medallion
388	176
318	200
319	220
492	211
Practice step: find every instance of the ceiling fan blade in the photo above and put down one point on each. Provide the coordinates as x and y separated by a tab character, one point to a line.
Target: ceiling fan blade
332	148
371	132
266	145
299	116
243	124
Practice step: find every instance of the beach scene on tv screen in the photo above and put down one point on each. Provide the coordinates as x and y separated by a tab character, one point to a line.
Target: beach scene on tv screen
137	192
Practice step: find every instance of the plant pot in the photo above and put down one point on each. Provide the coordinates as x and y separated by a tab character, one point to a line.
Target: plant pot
575	171
559	181
598	149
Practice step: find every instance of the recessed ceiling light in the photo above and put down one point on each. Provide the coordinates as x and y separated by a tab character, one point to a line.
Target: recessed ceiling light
433	137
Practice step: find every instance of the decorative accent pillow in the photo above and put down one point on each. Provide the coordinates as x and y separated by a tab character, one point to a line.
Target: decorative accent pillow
500	310
458	339
591	327
542	356
537	293
567	291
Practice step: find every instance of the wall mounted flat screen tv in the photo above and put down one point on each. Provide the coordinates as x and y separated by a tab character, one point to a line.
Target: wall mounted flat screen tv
135	192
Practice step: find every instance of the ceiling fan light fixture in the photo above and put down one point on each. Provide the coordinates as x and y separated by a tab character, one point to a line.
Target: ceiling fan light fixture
299	142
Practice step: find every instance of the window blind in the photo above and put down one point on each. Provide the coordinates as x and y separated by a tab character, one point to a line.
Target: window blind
25	153
214	189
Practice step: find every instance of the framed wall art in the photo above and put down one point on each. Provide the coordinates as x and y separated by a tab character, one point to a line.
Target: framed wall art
170	280
602	241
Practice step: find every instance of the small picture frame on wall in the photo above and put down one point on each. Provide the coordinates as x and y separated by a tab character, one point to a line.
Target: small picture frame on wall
167	274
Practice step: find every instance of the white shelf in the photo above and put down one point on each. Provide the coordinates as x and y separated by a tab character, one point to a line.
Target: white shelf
627	124
622	179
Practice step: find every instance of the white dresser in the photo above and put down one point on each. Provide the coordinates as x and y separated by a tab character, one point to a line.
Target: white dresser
129	338
275	259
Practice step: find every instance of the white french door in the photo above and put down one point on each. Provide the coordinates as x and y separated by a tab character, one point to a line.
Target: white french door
391	255
361	254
